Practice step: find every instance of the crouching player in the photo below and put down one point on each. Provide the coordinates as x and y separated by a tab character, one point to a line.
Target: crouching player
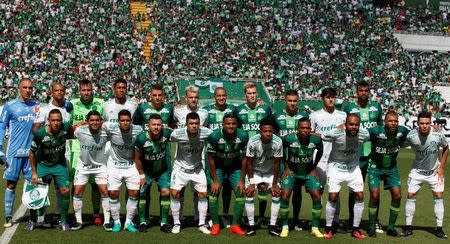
264	153
121	168
226	148
300	169
152	158
47	157
91	163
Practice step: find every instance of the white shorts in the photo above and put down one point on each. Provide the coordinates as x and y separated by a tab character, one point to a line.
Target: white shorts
180	179
321	170
82	176
118	175
415	181
336	177
260	178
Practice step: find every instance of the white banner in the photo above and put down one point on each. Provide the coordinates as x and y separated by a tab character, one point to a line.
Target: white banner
213	85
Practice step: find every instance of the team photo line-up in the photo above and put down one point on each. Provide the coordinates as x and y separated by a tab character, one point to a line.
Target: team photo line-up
220	148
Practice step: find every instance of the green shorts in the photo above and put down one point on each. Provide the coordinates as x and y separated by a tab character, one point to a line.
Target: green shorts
390	177
59	172
291	181
232	175
364	165
162	180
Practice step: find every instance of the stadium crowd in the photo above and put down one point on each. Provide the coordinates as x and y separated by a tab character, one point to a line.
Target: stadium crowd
279	41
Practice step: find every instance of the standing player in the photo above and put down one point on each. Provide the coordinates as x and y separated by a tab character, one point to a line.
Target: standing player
188	167
343	168
119	102
121	168
264	153
157	105
152	158
91	163
47	158
386	141
322	121
287	121
249	115
18	115
216	113
180	115
58	92
427	167
301	170
370	115
81	107
226	148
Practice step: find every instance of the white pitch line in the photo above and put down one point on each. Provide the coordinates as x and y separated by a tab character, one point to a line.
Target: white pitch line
9	232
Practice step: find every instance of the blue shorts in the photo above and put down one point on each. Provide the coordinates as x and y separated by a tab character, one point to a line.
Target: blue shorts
14	166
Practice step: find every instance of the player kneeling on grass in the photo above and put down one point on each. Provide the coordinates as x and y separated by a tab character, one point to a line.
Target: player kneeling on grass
264	153
226	149
343	167
187	167
47	157
121	168
152	158
91	163
300	169
386	141
427	167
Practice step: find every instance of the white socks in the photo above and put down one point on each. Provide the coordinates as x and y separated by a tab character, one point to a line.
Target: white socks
274	209
358	212
250	209
175	207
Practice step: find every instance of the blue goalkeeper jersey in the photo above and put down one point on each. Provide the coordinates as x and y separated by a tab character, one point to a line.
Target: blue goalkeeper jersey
19	117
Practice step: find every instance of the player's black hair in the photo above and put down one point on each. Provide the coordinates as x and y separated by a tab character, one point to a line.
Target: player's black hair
193	116
218	89
84	82
424	114
351	115
93	113
155	116
124	112
329	91
268	121
54	111
362	84
120	80
229	116
303	119
158	87
291	92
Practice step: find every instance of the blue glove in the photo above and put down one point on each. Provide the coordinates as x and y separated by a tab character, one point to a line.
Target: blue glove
2	158
68	106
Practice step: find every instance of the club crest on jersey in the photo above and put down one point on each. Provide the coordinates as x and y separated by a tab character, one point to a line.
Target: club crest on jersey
295	144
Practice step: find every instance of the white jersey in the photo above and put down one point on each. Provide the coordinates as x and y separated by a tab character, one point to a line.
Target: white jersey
426	148
189	150
112	109
344	153
322	121
180	113
92	147
42	114
263	154
122	145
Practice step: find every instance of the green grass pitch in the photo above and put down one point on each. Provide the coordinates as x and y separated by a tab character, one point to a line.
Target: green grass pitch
424	222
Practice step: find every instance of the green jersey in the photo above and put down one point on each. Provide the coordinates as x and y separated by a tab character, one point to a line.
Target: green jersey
80	110
155	155
50	149
385	147
215	115
287	124
249	118
144	110
370	116
227	153
79	113
300	157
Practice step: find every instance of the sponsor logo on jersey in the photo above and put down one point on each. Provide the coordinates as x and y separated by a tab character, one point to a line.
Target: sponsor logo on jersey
282	116
28	117
148	144
382	136
311	145
373	109
260	110
221	141
46	139
243	111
